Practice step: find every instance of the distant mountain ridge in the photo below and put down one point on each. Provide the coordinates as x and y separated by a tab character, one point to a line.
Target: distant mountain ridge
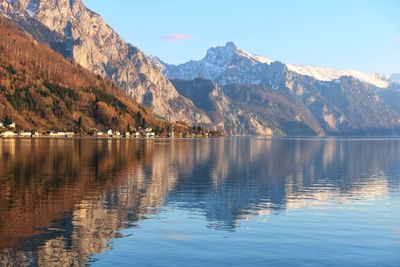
312	101
219	58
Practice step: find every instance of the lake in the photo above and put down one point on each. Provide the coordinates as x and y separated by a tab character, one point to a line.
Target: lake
205	202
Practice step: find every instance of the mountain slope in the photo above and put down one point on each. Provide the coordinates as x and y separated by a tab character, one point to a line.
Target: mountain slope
337	102
41	90
81	35
250	110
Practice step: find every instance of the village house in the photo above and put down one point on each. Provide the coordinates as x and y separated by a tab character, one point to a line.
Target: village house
12	125
62	134
110	133
8	134
25	134
98	134
149	133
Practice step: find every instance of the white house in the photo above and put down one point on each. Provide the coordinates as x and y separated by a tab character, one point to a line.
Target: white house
62	134
110	133
8	134
12	125
69	134
1	125
25	134
149	133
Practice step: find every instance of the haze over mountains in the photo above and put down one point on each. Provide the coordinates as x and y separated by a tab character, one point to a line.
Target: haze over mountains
229	89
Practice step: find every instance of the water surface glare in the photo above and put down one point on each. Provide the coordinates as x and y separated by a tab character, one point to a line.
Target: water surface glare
210	202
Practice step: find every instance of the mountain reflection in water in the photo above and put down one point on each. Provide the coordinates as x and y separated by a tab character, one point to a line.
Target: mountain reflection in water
63	200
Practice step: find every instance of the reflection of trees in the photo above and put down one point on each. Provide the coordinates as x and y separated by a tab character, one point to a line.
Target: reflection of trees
68	198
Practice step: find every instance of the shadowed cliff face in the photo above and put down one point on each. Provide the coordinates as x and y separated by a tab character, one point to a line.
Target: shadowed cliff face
62	201
82	35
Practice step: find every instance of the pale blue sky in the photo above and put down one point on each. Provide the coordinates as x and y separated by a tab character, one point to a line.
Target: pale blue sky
358	34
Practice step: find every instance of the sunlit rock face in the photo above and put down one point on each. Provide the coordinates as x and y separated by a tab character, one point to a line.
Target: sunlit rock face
83	36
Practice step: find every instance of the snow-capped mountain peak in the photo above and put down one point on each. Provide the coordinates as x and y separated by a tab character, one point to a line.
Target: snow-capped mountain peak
221	58
218	59
229	51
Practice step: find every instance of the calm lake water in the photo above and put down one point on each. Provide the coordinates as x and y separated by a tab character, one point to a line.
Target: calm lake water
225	202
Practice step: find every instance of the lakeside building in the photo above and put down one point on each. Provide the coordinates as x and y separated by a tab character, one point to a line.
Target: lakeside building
25	134
8	134
62	134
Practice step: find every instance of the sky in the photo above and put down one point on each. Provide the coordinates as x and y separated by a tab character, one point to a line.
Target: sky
345	34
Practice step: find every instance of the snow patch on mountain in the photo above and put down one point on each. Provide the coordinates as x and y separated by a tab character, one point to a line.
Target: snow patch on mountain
257	58
329	74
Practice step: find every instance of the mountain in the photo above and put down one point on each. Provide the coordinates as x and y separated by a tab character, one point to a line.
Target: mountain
81	35
218	59
249	110
41	90
309	100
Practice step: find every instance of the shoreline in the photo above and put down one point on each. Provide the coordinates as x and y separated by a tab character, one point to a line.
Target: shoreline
206	138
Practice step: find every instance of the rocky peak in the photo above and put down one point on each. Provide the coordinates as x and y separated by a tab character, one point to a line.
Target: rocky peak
83	36
217	61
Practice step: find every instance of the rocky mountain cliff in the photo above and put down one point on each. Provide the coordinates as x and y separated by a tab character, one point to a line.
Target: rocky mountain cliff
80	34
250	110
289	99
41	90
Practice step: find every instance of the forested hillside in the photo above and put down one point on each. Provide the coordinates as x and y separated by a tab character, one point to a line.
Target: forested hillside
41	90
